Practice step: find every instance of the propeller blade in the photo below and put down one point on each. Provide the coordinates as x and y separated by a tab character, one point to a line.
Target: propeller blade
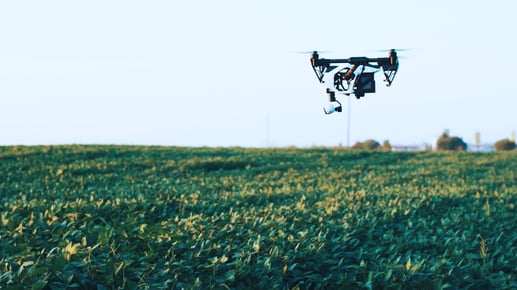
396	49
312	51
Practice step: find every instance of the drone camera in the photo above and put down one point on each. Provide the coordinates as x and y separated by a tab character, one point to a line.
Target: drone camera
331	109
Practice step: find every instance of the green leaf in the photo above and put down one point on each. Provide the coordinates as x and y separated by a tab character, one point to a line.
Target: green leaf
388	274
40	284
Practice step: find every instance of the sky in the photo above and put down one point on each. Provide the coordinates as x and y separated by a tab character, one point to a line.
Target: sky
230	73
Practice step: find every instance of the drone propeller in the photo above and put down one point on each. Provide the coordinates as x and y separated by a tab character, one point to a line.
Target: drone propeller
395	49
313	51
398	50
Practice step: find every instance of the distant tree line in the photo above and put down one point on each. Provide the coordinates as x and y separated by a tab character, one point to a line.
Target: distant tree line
444	143
371	144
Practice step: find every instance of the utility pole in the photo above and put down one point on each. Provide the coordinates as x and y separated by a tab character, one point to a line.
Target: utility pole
267	130
348	125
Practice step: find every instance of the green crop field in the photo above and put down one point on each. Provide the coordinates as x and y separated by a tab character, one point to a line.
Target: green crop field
127	217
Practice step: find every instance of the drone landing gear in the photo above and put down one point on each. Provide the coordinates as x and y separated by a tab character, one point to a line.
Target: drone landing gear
389	75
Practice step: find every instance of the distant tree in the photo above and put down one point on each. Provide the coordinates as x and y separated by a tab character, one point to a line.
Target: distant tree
367	145
448	143
386	145
505	145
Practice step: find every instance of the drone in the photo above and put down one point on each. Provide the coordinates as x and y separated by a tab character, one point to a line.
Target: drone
354	75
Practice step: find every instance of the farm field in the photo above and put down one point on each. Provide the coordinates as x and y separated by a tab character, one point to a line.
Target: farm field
128	217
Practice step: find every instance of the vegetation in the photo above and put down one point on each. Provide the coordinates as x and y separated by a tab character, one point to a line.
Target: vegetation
113	217
371	144
367	145
505	145
386	145
448	143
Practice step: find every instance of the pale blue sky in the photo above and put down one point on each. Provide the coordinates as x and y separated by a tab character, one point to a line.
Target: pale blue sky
226	73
